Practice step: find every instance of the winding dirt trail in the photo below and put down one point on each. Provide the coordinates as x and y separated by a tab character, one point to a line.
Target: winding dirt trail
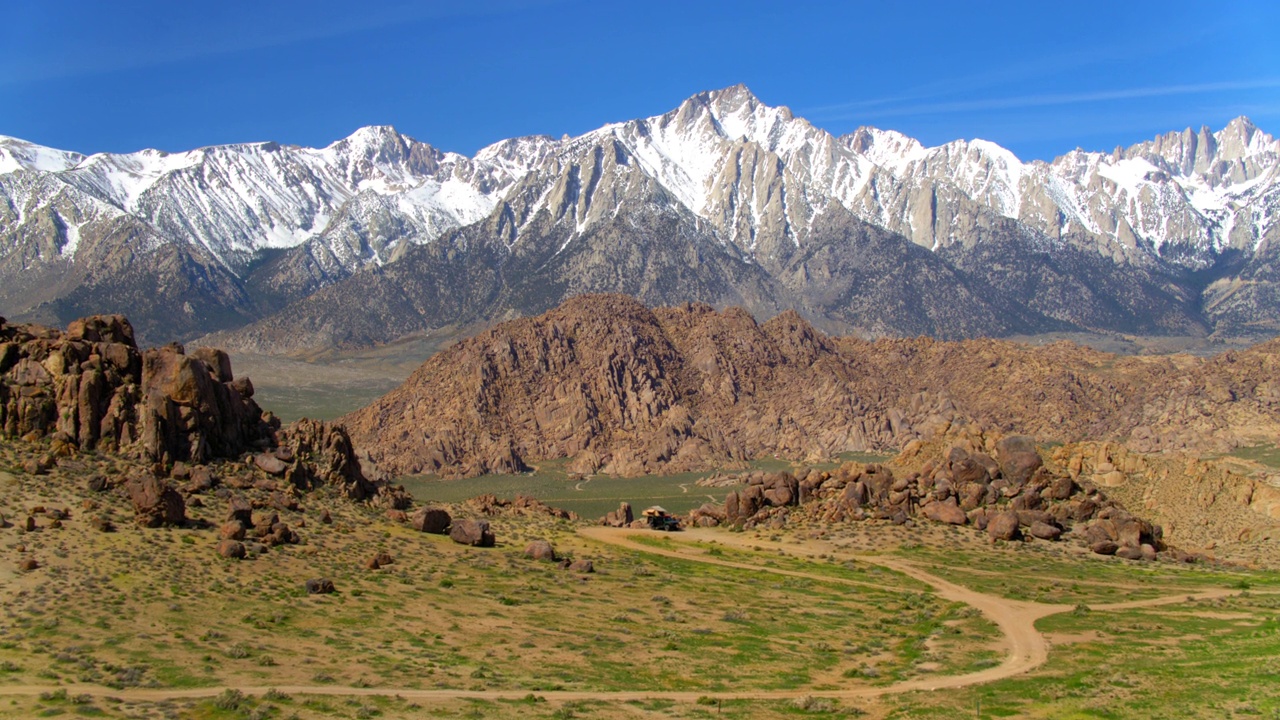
1025	647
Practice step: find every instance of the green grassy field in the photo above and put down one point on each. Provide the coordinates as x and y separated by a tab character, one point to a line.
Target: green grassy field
593	497
290	403
140	608
1214	659
1268	455
811	612
1050	575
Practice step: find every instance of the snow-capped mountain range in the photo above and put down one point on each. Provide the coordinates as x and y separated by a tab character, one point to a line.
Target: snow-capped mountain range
265	219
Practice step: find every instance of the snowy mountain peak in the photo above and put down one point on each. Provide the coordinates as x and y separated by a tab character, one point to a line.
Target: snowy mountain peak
758	175
764	184
377	148
735	98
886	148
18	154
761	175
1242	139
371	139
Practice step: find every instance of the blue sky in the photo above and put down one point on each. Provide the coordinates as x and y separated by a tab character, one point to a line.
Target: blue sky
1038	77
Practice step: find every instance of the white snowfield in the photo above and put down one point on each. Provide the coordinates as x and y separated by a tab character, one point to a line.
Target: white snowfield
752	172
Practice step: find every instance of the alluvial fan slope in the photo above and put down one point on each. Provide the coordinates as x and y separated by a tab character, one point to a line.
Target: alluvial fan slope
625	389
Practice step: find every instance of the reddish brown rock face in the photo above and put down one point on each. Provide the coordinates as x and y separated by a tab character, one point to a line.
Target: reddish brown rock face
156	503
231	549
92	388
623	389
431	520
945	512
540	550
1004	526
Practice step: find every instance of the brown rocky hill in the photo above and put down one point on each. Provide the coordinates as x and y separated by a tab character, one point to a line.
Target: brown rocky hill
625	389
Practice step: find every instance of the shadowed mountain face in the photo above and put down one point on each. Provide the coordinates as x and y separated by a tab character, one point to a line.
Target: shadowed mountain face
624	389
724	200
850	277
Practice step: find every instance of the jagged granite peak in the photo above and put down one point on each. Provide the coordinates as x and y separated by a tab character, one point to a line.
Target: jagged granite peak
263	224
236	200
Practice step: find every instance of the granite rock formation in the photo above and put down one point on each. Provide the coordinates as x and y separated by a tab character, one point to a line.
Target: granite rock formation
623	389
91	388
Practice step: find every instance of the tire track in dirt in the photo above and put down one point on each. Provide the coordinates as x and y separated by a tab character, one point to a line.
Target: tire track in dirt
1025	647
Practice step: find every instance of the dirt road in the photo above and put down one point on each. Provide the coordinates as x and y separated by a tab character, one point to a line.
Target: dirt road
1025	648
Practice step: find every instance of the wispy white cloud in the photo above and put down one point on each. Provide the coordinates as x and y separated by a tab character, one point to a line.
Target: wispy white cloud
960	89
1049	99
966	84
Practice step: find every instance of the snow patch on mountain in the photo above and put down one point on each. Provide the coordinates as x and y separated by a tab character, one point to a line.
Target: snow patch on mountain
756	174
18	155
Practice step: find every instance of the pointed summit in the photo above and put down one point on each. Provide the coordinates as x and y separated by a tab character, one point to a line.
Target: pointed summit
719	102
738	95
739	100
383	146
733	112
373	136
1241	139
1241	124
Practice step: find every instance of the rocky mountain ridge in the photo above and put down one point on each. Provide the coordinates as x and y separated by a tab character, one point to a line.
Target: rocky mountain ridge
235	233
622	389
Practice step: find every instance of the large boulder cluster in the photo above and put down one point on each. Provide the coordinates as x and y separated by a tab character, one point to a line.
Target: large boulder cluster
323	456
1004	491
464	531
155	503
622	517
91	386
186	427
266	529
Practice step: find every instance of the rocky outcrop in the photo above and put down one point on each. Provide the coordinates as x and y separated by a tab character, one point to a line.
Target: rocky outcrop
1224	505
622	389
322	455
431	520
1004	526
319	586
540	550
981	479
91	388
622	517
491	505
94	388
231	549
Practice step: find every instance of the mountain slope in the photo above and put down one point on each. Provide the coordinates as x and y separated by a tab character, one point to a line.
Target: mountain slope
735	201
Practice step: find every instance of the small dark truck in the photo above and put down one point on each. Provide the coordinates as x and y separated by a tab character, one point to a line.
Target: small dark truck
660	519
